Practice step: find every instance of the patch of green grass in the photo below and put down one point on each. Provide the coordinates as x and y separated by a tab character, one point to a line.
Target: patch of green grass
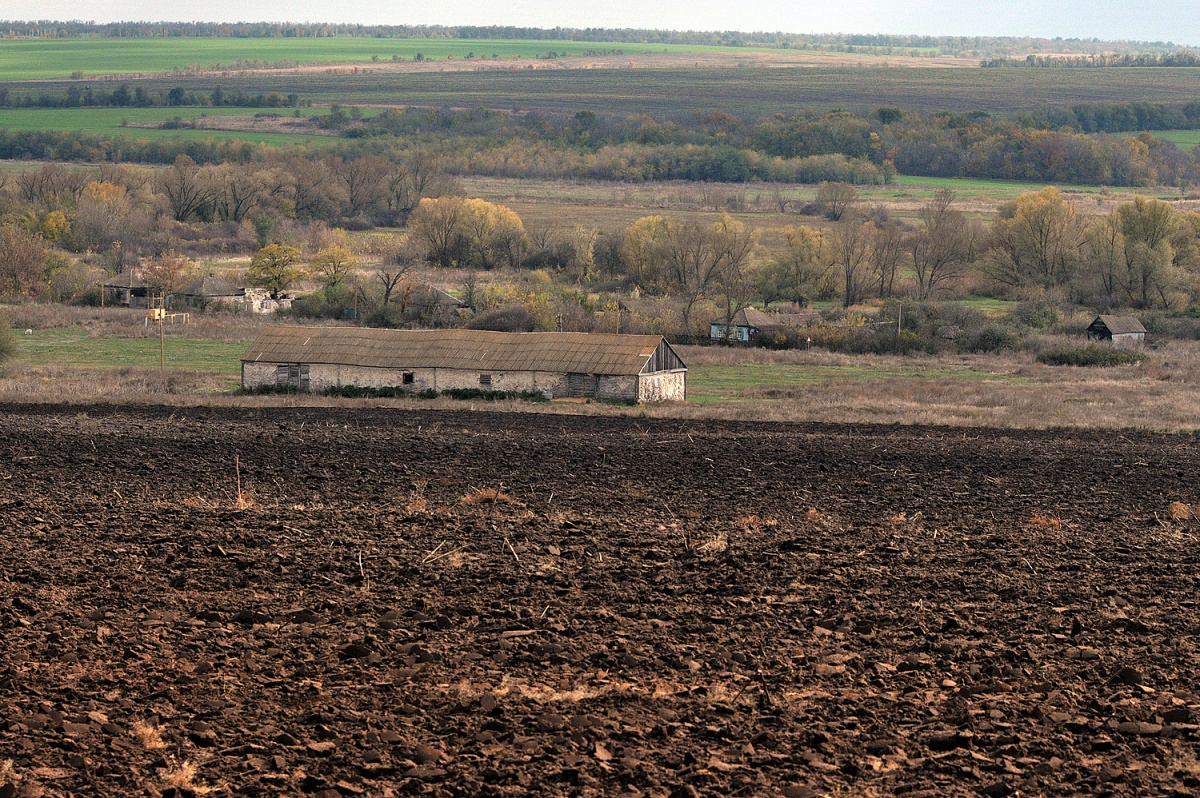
124	122
34	59
75	347
756	381
1183	139
991	306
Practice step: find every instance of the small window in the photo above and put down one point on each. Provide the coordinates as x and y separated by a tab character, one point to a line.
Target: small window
485	379
406	378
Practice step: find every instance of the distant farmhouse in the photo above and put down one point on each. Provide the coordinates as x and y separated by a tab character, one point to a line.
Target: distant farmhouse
1123	331
629	368
750	322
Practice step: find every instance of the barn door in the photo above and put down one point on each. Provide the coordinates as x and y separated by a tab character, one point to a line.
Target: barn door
583	386
292	376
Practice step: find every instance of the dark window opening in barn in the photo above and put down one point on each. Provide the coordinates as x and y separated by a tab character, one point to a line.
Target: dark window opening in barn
485	379
293	376
406	378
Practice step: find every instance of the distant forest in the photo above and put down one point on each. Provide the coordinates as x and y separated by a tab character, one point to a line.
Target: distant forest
989	47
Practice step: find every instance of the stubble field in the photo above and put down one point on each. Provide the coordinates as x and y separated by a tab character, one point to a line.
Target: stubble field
384	602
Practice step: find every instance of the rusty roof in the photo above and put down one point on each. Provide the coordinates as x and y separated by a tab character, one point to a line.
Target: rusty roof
474	350
1120	325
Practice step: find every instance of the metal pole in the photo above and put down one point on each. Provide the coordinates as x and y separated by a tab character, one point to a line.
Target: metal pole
162	346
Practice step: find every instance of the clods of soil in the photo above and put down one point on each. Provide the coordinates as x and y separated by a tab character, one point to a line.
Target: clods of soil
381	602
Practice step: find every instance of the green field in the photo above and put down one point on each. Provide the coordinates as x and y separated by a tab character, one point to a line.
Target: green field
755	381
76	348
126	121
25	59
1183	139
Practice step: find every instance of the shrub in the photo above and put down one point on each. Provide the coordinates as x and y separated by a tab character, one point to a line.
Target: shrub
1089	356
8	341
991	338
1038	315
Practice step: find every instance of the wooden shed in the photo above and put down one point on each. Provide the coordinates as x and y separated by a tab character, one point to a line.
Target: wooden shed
1123	331
630	368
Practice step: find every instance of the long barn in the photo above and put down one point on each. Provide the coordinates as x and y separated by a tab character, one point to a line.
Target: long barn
629	368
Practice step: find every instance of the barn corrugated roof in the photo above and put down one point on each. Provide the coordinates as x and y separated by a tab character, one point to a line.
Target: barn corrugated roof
1121	325
475	350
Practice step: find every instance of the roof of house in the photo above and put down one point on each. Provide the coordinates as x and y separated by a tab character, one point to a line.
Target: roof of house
209	286
126	279
760	319
1120	325
474	350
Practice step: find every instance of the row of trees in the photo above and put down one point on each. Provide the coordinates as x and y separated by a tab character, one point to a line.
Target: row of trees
92	209
1049	145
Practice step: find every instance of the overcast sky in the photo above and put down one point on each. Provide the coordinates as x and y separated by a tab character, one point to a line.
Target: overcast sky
1160	20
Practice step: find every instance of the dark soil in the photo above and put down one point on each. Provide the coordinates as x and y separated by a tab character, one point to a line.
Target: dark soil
460	603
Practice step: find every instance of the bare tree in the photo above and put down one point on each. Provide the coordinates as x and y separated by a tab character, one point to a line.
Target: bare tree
365	179
850	245
186	187
23	261
835	200
165	273
942	248
398	262
238	191
887	254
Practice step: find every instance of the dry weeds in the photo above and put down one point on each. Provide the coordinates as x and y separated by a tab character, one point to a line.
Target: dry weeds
717	543
1182	512
1039	520
183	777
487	496
148	735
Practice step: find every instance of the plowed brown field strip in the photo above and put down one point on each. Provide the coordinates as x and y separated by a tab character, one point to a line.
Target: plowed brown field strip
382	602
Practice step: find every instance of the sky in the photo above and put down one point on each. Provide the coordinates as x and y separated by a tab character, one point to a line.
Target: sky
1144	20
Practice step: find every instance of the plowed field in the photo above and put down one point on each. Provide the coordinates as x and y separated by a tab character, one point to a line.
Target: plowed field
382	602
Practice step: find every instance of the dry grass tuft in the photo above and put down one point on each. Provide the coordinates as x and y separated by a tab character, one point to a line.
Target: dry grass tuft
814	516
752	523
148	736
1039	520
1182	512
244	500
183	777
488	496
715	544
417	503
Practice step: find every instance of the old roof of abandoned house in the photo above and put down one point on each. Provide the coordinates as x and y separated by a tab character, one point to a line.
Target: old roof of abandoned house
474	350
209	286
126	279
760	319
1121	325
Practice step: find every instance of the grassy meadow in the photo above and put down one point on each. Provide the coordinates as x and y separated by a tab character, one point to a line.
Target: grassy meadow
1183	139
30	59
128	122
110	356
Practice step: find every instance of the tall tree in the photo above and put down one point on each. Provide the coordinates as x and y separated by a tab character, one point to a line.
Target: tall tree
1036	241
274	268
942	247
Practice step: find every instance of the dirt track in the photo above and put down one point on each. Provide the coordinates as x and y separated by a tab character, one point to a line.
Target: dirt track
650	607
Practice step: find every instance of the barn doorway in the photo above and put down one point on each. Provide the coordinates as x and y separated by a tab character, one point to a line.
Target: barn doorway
292	376
583	386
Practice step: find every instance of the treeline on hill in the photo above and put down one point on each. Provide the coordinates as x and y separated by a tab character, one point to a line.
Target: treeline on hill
1179	58
970	46
62	230
719	147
